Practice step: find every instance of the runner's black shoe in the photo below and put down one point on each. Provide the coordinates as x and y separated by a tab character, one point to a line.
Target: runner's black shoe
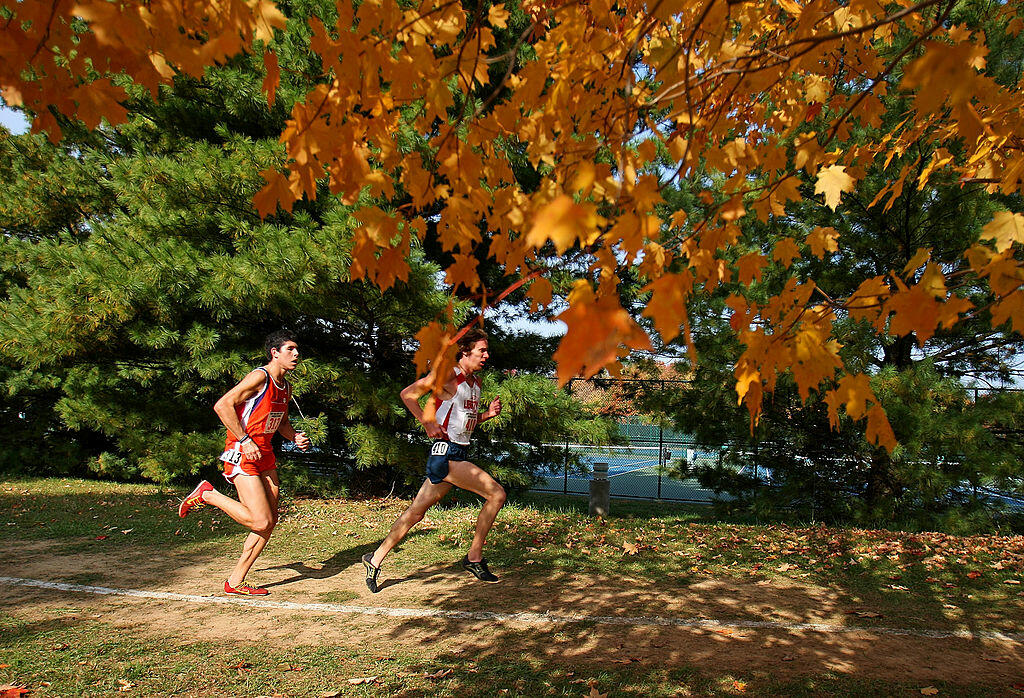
479	570
371	573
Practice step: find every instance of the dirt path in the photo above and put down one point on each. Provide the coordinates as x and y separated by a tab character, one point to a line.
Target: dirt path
783	651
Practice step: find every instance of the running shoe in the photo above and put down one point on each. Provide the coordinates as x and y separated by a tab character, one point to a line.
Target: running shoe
479	570
195	499
371	573
244	589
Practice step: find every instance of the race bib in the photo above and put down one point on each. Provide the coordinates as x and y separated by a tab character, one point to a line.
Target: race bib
232	456
439	448
273	422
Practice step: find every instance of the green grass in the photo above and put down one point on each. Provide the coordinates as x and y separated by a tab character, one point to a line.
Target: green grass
56	657
884	578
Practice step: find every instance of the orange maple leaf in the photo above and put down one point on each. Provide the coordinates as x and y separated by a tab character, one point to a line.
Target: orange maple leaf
749	267
823	240
1005	228
599	332
667	306
273	77
275	192
563	222
879	431
785	251
832	181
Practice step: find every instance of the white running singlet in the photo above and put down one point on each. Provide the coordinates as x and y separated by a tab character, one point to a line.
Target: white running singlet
458	414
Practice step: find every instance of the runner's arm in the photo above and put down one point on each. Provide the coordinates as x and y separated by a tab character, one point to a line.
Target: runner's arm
288	432
411	395
225	408
491	412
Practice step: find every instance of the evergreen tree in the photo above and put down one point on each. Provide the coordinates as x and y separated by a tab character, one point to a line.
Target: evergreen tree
138	282
950	445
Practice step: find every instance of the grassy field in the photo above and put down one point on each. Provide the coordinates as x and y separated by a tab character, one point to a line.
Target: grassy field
648	555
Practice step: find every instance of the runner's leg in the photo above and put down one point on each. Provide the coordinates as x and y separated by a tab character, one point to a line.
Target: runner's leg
232	507
429	495
259	495
468	476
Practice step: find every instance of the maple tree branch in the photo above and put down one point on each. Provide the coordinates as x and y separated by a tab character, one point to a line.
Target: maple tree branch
888	69
501	296
888	19
46	32
512	53
437	8
648	23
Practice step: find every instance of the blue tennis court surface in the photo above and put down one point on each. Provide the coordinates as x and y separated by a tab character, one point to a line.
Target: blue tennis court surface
633	471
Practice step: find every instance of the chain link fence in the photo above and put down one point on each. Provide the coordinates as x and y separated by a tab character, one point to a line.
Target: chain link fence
652	461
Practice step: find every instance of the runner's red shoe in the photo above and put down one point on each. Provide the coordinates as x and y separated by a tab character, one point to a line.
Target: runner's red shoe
195	499
244	589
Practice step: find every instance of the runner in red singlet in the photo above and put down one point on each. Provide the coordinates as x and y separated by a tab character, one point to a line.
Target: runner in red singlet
457	416
253	411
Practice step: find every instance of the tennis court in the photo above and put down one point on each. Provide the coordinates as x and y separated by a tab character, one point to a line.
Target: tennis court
643	472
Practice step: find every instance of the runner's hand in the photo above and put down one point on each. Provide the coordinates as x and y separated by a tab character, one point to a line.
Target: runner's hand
493	410
434	430
250	450
301	440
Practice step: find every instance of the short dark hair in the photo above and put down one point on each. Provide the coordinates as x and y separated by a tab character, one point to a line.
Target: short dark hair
275	340
467	341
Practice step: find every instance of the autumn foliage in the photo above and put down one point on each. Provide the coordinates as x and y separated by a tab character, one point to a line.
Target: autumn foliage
609	102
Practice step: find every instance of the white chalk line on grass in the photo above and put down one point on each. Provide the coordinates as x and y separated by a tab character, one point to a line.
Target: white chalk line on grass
523	617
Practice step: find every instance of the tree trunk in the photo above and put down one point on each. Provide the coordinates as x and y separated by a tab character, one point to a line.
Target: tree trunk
898	353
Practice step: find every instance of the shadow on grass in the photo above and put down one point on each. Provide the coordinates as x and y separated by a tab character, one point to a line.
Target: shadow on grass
341	561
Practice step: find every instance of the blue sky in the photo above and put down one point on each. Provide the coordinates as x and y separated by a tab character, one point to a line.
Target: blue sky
12	120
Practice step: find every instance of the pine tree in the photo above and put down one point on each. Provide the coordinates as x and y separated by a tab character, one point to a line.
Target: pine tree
139	281
950	443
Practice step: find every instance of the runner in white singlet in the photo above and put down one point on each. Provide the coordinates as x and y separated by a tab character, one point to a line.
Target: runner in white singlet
456	417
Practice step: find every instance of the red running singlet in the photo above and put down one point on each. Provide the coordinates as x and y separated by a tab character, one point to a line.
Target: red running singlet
260	416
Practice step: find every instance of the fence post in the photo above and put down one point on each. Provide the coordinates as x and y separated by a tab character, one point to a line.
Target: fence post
565	476
600	491
661	451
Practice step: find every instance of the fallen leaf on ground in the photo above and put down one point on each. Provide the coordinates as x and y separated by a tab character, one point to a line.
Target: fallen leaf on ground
330	694
439	674
740	686
124	686
929	691
12	691
362	679
595	694
1000	660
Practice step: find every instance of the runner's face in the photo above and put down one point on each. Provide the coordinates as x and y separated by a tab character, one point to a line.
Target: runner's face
475	358
287	356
